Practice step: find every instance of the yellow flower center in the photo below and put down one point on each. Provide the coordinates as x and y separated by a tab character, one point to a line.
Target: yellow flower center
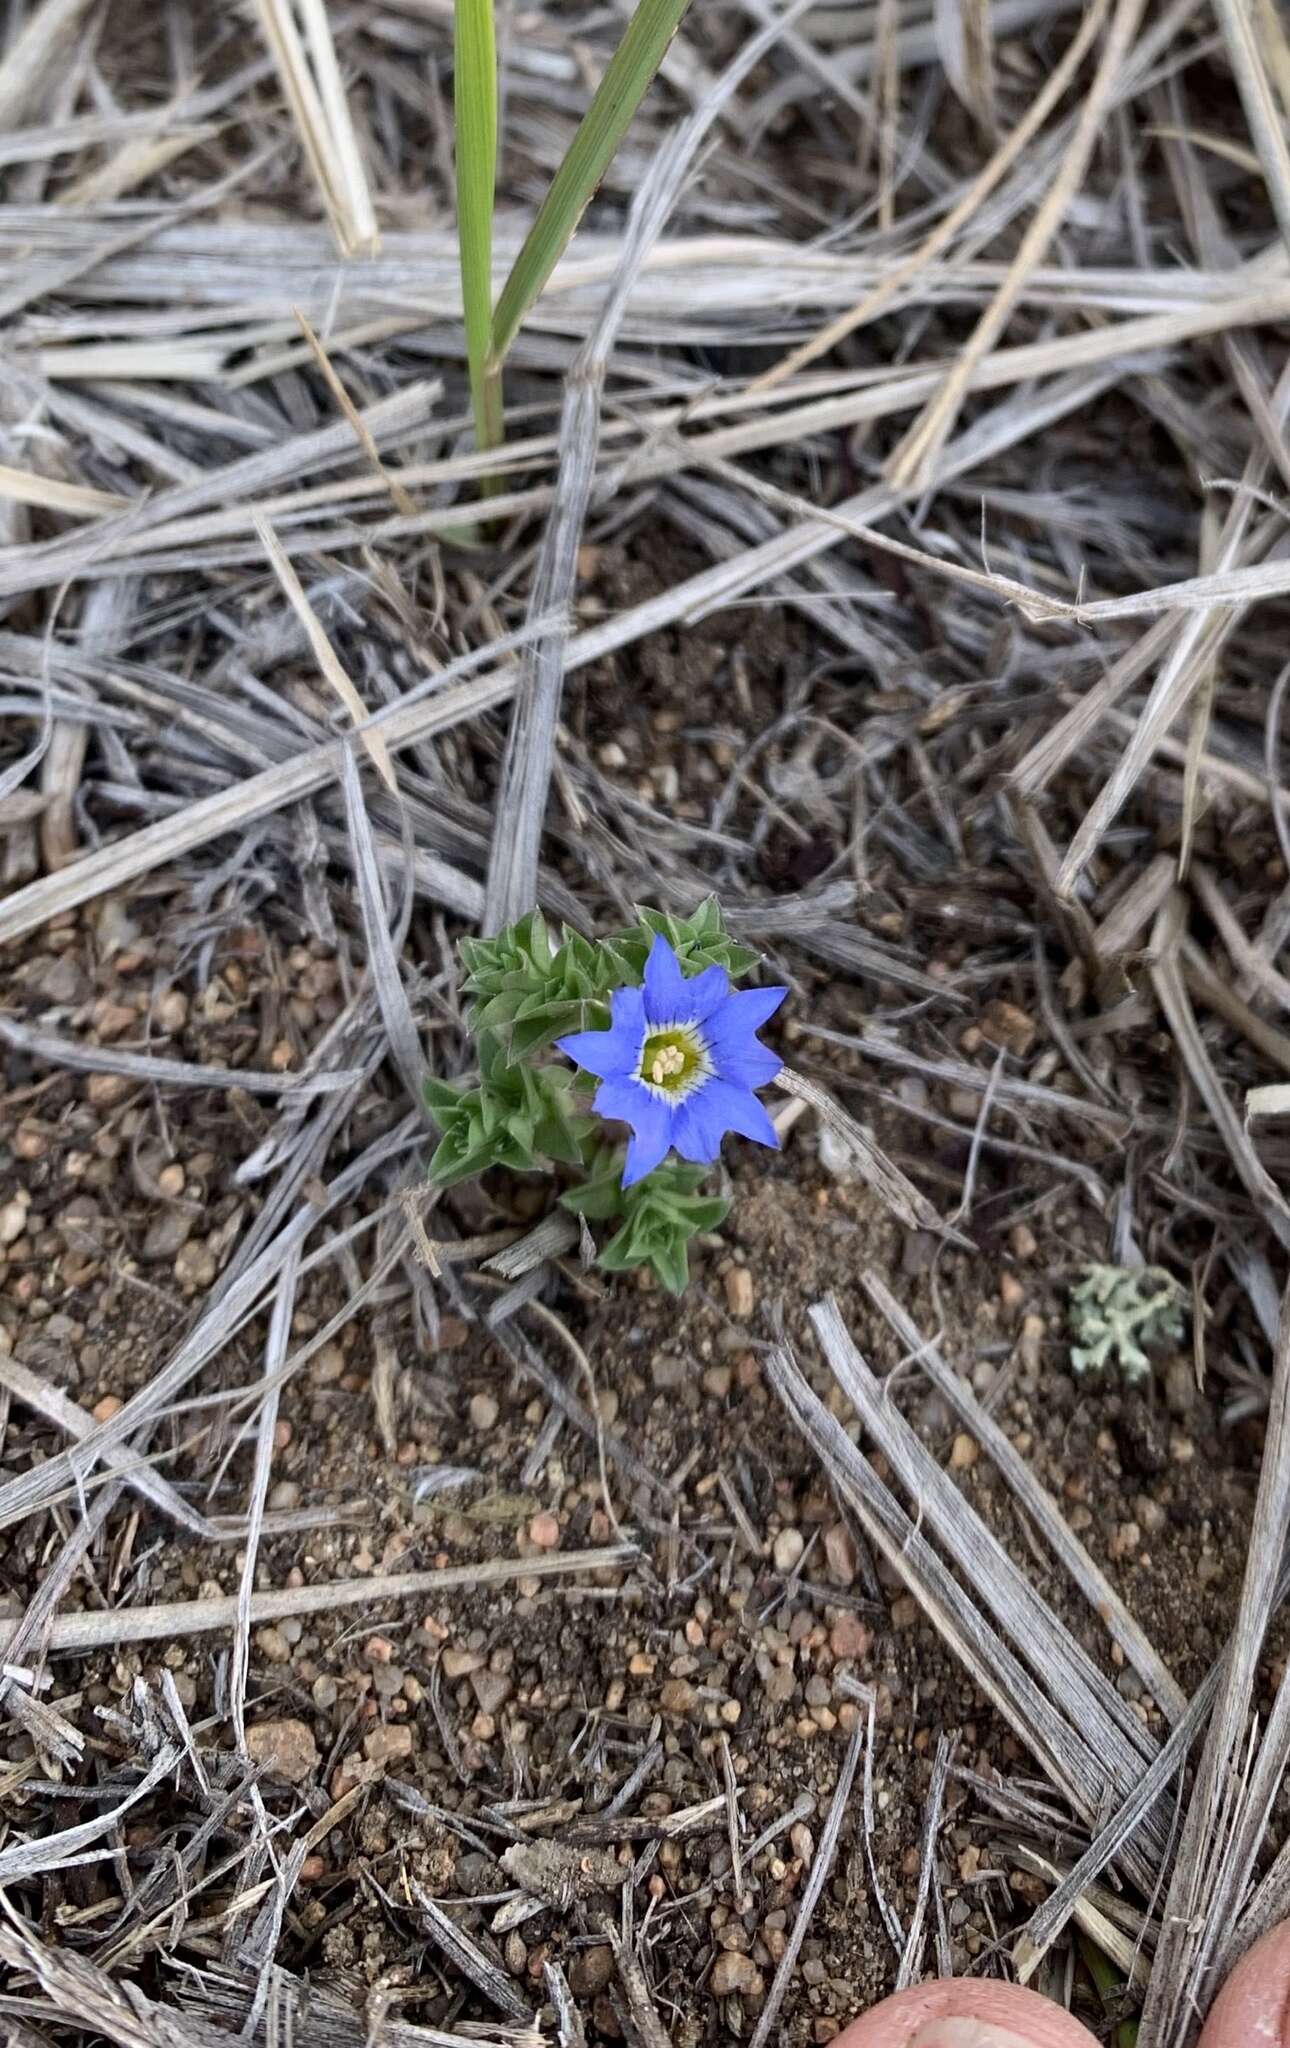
673	1061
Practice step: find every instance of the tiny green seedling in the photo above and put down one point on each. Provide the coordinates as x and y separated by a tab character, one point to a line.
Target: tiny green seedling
490	329
1116	1311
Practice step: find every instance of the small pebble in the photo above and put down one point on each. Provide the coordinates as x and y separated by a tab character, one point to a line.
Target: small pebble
802	1843
667	1371
1011	1292
787	1550
918	1251
544	1531
105	1091
677	1696
492	1689
273	1646
1030	1343
287	1748
1150	1515
13	1221
733	1973
476	1873
1004	1024
170	1011
327	1365
195	1265
591	1970
851	1637
390	1744
840	1554
964	1451
484	1412
459	1663
166	1234
739	1291
113	1019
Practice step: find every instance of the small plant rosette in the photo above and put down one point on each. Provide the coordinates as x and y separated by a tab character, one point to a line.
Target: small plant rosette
651	1016
1116	1312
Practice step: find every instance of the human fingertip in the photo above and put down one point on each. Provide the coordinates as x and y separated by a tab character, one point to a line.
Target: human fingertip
960	2012
1253	2008
967	2033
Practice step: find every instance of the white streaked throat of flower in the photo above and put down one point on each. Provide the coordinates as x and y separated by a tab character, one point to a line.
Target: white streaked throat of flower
674	1061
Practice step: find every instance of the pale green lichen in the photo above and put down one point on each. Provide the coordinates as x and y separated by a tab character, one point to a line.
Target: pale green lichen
1115	1311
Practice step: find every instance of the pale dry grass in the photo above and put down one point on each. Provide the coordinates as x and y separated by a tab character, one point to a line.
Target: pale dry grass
952	337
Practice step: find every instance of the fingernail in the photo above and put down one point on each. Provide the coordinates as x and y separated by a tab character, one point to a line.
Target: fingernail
967	2034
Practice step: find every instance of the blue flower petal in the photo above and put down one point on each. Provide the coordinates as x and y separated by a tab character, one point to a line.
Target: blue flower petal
616	1051
593	1051
698	1126
627	1099
750	1065
724	1101
627	1008
742	1013
719	1106
737	1054
705	993
651	1121
665	985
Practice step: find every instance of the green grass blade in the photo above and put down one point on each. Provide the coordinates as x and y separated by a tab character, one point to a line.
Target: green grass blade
1110	1988
475	121
589	156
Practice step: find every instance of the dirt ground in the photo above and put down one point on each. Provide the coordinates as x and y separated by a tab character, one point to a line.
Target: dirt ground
510	1716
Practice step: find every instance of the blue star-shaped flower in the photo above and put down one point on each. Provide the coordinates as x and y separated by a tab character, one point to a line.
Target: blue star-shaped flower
680	1061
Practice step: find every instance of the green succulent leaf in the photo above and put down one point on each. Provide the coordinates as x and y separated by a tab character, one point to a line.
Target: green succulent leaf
528	990
660	1214
700	940
600	1196
439	1095
516	1117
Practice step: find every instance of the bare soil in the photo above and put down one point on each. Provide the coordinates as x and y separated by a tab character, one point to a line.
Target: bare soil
498	1716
